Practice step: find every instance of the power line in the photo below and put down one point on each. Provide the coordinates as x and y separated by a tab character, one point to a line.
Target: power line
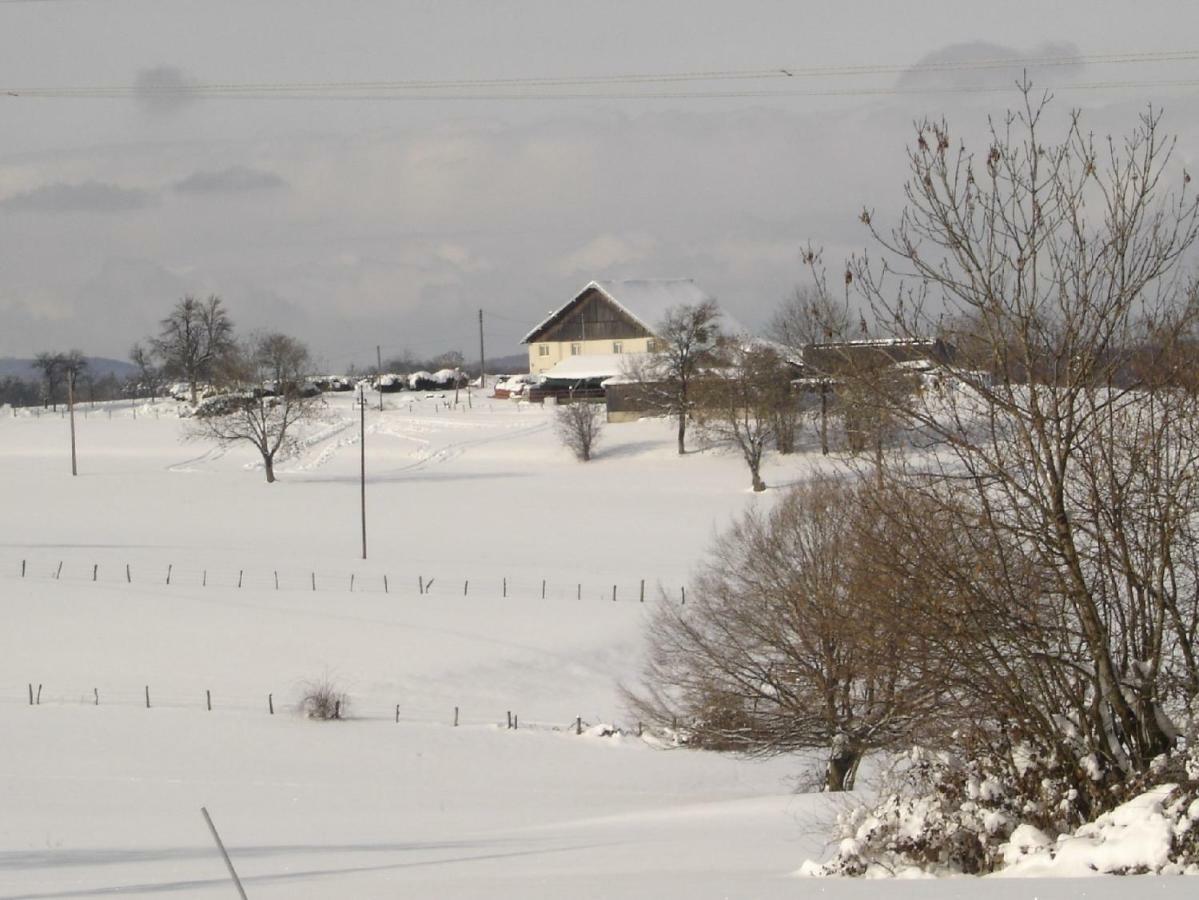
550	87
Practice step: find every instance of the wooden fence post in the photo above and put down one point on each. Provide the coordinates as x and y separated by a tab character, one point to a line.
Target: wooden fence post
147	696
31	693
240	573
22	568
642	590
613	593
208	699
397	714
95	571
578	724
505	594
270	703
542	588
455	717
170	567
96	695
385	584
128	575
39	695
420	584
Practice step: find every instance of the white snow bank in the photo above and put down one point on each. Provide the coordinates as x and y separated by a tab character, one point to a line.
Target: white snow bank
1135	837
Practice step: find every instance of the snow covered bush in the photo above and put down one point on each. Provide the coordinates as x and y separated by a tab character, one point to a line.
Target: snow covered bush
323	699
942	814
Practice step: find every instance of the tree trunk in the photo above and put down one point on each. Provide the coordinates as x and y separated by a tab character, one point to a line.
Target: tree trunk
759	484
269	464
842	769
823	419
682	433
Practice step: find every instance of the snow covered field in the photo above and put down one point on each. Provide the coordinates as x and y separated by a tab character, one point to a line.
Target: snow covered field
103	800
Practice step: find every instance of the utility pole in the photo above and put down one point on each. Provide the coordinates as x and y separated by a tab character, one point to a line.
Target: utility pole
71	408
482	358
379	377
362	461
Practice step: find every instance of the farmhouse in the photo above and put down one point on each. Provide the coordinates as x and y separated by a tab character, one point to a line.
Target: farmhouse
606	320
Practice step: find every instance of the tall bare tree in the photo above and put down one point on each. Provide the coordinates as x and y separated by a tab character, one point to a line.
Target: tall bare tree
266	399
1062	455
50	367
740	399
194	340
685	343
149	375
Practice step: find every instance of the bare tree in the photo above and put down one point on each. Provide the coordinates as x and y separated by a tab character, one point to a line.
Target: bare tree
267	399
194	340
578	424
50	367
740	398
1063	461
73	366
791	641
685	340
149	376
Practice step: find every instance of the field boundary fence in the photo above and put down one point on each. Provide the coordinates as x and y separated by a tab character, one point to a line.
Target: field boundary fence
370	708
433	582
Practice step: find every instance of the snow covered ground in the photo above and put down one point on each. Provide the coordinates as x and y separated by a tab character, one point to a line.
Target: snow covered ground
103	800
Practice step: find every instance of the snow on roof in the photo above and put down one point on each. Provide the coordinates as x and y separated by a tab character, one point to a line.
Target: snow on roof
646	300
584	366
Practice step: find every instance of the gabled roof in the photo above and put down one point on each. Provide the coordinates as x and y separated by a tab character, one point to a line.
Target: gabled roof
645	300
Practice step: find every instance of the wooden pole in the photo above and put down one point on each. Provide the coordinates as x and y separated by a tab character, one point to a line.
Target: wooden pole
542	588
128	574
362	461
39	695
241	892
482	357
96	695
208	699
642	590
147	696
455	717
71	407
170	567
270	703
31	693
385	584
397	714
95	571
578	724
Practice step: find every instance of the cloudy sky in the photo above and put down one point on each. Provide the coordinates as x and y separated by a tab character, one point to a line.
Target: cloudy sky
293	157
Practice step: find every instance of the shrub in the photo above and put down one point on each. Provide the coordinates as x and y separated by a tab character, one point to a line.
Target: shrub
324	699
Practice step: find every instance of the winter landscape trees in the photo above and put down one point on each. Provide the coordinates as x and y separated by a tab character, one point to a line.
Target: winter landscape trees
1034	504
194	340
266	397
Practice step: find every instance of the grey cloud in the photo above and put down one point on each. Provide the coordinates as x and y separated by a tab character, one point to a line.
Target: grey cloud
235	179
162	90
937	69
87	196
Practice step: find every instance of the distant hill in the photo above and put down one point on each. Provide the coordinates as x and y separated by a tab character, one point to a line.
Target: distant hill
507	365
98	367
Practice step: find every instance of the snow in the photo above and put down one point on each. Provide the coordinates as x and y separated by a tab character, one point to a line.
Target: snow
594	365
100	800
1135	836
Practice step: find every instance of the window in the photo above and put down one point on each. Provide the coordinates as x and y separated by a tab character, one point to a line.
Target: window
651	346
543	349
618	347
576	349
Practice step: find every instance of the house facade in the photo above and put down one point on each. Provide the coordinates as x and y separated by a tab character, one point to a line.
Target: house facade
606	320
